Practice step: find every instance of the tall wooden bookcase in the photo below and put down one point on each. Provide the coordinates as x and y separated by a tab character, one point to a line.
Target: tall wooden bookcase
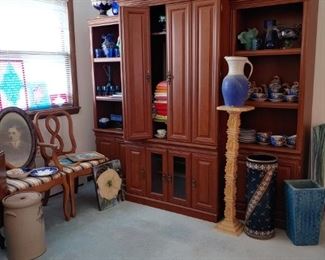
184	172
291	64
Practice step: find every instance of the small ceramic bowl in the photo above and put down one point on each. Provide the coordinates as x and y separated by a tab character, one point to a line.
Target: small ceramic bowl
276	95
291	98
103	122
291	141
17	173
278	140
263	137
161	133
259	95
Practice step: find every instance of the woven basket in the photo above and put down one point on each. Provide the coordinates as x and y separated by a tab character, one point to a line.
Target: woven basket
304	211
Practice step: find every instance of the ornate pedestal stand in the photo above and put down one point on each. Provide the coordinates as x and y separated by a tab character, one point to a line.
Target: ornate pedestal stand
230	223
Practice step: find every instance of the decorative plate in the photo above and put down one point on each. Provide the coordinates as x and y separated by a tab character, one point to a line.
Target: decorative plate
43	171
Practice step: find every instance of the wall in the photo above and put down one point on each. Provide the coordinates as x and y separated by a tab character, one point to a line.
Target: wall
318	116
83	122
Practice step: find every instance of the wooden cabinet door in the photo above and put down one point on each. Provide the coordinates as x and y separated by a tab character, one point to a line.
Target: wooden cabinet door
179	177
136	73
178	71
108	147
157	173
204	182
135	169
205	70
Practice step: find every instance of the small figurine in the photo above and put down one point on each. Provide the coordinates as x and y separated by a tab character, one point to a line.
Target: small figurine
247	37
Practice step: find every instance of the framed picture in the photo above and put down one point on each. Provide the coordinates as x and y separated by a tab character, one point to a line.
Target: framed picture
107	183
18	139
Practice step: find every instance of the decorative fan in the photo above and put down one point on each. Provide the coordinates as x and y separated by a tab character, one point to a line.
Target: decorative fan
109	184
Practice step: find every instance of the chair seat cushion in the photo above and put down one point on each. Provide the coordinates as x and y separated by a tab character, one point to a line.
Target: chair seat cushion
83	165
29	182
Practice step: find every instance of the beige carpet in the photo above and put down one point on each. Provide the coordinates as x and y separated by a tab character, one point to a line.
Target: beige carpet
133	231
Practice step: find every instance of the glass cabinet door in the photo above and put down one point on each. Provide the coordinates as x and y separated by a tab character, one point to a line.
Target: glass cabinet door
178	177
157	177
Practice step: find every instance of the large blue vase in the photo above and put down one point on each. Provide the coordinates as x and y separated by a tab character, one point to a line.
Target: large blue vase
235	84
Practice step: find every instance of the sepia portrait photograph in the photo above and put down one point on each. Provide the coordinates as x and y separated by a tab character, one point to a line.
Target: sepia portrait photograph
16	135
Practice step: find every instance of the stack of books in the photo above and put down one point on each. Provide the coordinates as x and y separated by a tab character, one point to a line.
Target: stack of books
160	102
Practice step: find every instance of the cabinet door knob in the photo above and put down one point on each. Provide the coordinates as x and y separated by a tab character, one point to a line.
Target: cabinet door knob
169	77
194	183
169	179
148	76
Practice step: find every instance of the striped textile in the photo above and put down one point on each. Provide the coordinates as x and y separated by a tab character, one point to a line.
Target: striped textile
23	184
83	165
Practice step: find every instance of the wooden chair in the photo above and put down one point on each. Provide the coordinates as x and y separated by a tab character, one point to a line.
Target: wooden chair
38	184
57	126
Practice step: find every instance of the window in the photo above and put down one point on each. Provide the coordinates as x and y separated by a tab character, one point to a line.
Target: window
37	60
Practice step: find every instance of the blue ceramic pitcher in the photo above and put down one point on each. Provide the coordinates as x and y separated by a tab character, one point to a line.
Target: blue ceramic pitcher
235	84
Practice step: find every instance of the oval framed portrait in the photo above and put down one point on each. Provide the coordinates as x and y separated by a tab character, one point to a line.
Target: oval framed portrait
18	139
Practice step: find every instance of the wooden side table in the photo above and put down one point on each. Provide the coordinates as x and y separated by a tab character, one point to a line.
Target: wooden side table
230	223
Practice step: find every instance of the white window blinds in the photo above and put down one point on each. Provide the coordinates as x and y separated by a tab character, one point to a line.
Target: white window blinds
35	69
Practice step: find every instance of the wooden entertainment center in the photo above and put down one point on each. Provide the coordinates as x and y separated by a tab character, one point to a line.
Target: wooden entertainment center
184	172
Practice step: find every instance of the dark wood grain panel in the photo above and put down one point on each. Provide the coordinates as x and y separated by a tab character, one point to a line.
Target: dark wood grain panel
204	182
136	71
205	21
178	67
135	169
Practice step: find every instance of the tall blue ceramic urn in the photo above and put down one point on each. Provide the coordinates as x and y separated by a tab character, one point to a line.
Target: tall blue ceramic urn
235	84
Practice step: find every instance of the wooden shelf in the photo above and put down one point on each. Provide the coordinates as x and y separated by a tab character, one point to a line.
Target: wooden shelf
267	148
100	60
109	98
269	104
159	33
267	52
110	130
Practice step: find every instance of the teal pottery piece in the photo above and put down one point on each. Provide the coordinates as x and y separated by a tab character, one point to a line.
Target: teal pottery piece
247	38
304	201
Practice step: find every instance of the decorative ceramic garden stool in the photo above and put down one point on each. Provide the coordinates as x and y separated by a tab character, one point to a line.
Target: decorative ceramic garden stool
24	225
260	195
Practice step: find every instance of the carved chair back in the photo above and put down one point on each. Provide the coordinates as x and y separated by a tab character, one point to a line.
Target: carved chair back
54	128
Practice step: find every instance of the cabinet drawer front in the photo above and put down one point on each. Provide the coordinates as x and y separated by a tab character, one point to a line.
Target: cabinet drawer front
178	64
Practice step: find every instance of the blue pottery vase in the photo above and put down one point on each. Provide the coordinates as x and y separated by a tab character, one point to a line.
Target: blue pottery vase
235	84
